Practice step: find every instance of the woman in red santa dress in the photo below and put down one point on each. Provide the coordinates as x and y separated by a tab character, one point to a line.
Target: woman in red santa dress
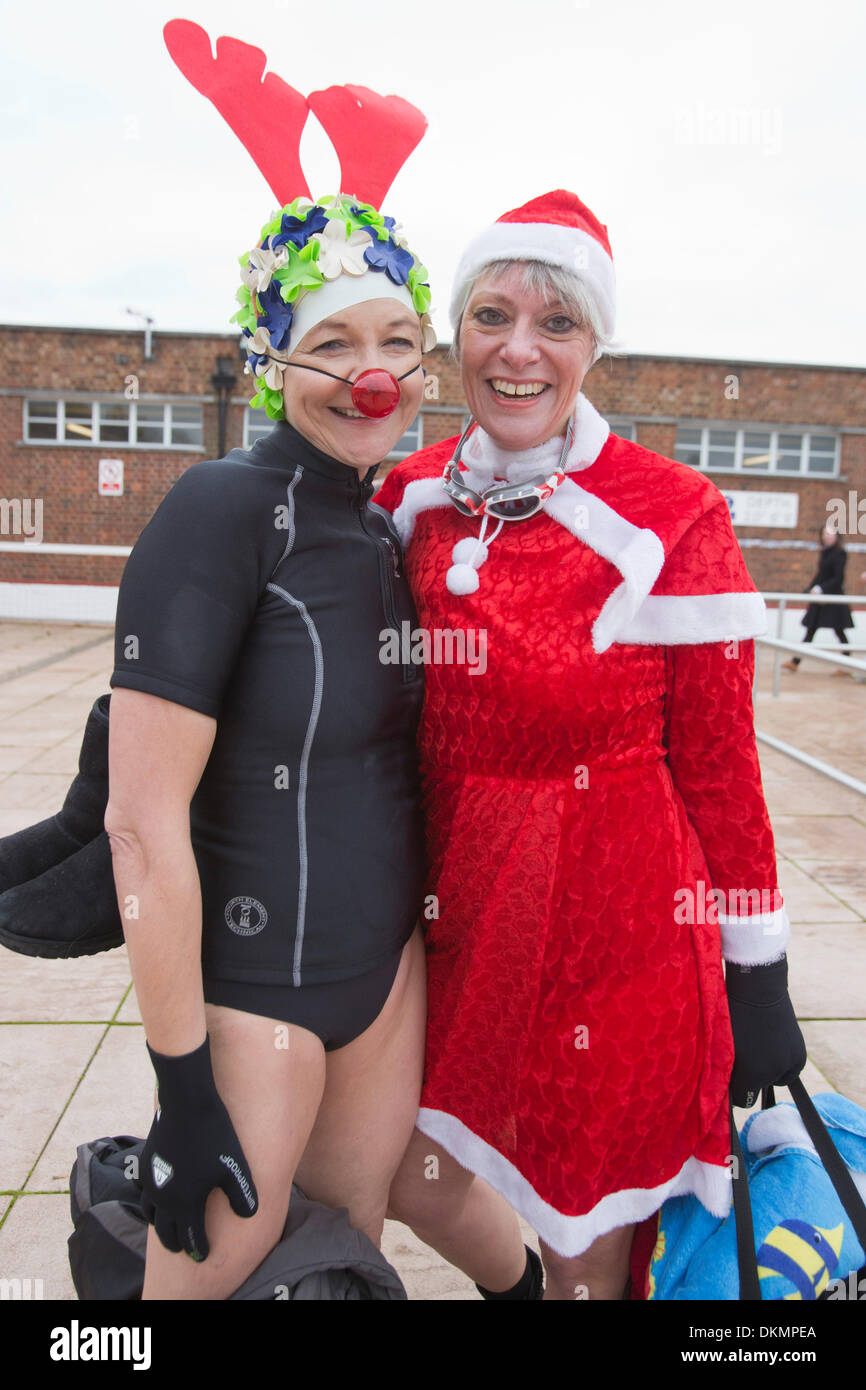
598	837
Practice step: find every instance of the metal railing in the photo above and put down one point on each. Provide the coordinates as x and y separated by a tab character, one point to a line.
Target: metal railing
805	651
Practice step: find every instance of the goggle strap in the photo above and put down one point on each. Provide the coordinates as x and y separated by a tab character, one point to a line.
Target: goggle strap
345	380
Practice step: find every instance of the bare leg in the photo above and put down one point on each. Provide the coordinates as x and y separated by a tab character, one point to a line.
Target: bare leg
372	1088
459	1215
600	1272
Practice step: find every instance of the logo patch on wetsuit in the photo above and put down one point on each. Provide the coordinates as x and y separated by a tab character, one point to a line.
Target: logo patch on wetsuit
245	916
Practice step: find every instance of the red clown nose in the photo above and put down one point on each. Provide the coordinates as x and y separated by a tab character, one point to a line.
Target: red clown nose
376	393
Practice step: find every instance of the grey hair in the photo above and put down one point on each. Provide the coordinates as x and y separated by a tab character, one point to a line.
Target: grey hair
553	283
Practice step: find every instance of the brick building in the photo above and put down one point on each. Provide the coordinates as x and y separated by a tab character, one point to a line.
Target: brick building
93	431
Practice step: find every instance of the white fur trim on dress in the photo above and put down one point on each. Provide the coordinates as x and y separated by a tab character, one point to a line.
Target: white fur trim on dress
569	247
669	619
755	940
571	1235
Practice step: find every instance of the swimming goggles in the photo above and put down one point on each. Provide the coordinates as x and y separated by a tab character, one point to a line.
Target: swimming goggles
511	502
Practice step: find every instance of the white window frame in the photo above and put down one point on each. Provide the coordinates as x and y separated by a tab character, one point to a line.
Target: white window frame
96	441
774	431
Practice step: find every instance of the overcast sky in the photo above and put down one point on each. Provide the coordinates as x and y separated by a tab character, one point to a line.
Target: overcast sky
721	144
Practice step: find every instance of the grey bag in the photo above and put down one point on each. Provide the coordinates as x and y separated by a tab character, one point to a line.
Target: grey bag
320	1256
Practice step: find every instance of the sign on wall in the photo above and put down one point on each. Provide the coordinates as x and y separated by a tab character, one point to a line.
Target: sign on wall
763	508
111	477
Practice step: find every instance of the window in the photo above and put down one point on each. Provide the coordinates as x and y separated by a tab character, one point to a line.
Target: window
165	425
624	428
78	422
822	453
410	441
720	449
149	424
688	446
757	449
184	421
256	425
40	419
113	423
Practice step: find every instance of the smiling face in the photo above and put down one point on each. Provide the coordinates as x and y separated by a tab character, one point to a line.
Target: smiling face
376	333
522	359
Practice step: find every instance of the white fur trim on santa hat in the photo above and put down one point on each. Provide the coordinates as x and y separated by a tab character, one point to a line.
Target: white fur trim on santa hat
570	248
571	1235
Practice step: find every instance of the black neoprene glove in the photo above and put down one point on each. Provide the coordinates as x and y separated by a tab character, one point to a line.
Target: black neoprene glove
191	1149
768	1046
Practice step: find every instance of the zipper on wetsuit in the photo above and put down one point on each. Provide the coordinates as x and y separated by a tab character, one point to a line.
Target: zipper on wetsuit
388	570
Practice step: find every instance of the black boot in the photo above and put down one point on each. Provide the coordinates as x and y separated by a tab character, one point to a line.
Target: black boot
70	910
529	1286
28	853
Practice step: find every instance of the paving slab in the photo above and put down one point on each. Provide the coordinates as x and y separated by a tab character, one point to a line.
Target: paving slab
838	1049
129	1010
423	1271
41	793
839	838
827	969
33	1244
844	879
40	1066
28	729
12	758
805	898
86	990
62	759
12	819
114	1097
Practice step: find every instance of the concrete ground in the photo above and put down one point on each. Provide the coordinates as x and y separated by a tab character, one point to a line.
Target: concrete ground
73	1065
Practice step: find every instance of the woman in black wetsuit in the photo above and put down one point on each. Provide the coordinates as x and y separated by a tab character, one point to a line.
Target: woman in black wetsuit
263	810
828	579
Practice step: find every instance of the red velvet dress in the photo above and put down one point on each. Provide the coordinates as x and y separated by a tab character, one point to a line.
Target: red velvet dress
593	780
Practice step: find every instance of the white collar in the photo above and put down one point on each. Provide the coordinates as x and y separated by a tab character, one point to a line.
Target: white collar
486	461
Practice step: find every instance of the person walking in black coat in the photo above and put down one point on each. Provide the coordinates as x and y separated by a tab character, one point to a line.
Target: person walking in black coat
828	580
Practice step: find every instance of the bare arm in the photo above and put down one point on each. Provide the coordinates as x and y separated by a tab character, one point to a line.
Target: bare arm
157	753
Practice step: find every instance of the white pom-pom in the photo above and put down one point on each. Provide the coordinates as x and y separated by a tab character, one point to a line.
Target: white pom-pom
469	552
462	579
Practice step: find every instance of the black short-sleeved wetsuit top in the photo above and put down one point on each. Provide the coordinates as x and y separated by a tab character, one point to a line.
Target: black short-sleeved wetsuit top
258	594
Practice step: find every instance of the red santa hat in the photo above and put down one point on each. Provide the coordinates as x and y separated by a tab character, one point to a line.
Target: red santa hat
557	229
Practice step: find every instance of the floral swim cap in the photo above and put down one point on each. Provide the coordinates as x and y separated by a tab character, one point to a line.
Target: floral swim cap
311	260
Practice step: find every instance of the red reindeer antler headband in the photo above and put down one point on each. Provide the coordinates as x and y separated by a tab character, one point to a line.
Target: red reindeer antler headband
312	258
373	135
